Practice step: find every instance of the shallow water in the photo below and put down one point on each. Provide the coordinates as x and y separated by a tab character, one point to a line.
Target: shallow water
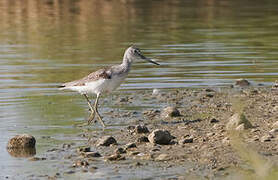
44	43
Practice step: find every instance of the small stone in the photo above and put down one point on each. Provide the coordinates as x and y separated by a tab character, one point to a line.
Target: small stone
123	99
92	154
209	90
115	157
120	151
141	129
80	163
163	157
186	140
133	153
83	149
22	141
273	131
131	128
66	146
242	82
238	119
160	136
155	92
106	141
210	134
213	120
209	95
130	145
170	112
143	139
266	138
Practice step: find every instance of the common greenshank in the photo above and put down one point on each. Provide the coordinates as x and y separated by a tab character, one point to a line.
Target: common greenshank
105	80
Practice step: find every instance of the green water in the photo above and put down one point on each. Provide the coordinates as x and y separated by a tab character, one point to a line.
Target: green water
45	43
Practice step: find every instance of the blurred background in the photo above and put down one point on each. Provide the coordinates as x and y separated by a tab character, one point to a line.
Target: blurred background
199	43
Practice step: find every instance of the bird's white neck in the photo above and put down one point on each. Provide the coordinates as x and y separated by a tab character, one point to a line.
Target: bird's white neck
126	64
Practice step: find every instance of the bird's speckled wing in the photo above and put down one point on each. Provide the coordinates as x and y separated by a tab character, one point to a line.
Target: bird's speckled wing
94	76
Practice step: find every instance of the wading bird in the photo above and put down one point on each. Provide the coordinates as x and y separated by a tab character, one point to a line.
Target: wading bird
105	80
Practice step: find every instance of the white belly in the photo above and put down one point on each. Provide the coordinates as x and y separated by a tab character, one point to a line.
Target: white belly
99	86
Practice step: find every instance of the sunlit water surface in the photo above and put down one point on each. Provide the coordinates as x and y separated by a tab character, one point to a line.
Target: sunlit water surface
44	43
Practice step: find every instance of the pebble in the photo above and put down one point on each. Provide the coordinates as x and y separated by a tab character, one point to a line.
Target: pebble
170	112
83	149
160	136
92	154
242	82
130	145
186	140
163	157
115	157
106	141
143	139
80	163
139	129
22	141
156	92
266	138
273	131
120	151
213	120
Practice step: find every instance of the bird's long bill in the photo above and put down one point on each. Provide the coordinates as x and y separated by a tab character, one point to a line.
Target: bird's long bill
149	60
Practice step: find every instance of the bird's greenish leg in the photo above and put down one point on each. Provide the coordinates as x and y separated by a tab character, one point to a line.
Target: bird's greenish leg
96	110
92	115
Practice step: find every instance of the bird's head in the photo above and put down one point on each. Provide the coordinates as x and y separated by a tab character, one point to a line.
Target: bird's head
133	54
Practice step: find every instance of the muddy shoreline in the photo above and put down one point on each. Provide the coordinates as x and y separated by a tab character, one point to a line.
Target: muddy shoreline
201	145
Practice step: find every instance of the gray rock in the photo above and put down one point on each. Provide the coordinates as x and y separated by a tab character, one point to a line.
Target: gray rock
238	119
242	82
22	141
170	112
160	136
106	141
